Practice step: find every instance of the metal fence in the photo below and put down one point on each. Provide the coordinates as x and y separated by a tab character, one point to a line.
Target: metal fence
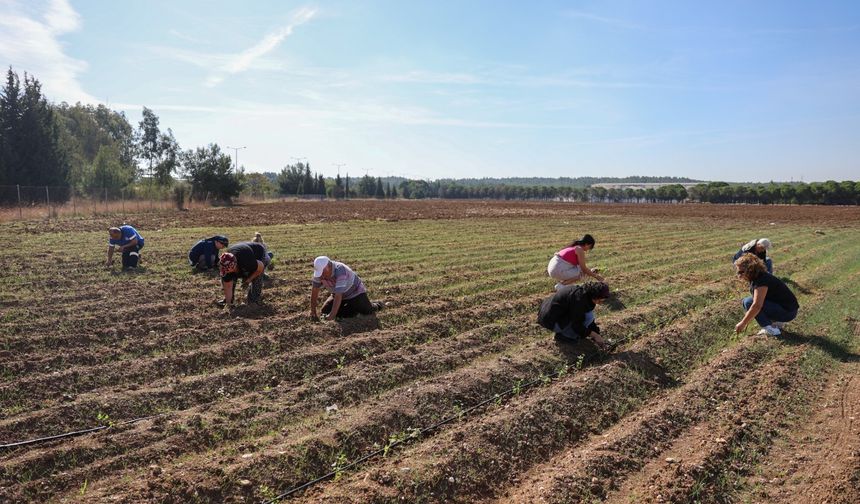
19	202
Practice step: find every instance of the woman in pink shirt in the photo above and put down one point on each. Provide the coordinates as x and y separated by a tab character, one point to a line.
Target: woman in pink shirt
568	264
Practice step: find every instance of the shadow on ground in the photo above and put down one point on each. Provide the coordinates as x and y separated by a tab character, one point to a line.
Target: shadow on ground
835	350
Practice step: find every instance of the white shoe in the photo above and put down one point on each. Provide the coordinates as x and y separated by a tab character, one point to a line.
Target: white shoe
770	331
778	325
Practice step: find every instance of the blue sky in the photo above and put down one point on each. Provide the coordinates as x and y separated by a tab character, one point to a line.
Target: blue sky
730	90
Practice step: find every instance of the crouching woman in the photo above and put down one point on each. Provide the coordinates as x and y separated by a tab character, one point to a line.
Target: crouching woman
772	303
569	312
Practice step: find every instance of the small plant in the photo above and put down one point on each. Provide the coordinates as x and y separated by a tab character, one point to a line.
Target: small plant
266	492
104	419
458	410
83	489
563	370
339	464
518	387
340	361
580	361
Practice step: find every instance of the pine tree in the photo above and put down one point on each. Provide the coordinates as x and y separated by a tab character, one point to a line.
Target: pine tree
10	119
380	191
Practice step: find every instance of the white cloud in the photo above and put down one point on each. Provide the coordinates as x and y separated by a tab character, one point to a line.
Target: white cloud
246	59
29	42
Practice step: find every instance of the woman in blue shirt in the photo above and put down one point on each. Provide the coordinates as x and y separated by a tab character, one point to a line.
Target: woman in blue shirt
203	256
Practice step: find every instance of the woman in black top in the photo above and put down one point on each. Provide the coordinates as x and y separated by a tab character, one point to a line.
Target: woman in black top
772	303
569	313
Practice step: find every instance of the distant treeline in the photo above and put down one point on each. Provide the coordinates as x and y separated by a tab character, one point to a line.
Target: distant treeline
563	181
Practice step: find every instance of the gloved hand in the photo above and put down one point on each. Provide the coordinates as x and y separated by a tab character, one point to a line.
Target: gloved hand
593	328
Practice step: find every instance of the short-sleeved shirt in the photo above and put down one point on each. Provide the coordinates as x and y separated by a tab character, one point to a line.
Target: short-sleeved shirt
343	281
777	291
569	255
247	254
127	234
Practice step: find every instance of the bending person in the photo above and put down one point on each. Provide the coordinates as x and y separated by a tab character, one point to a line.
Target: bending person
758	248
569	313
568	264
772	303
248	261
203	256
129	242
348	295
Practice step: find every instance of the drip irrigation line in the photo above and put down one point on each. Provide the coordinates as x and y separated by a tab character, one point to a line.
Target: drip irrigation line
76	433
516	389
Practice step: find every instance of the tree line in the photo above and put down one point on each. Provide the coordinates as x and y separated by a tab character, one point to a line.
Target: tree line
95	150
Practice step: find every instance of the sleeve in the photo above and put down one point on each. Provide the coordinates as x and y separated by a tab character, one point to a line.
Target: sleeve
577	317
211	254
315	282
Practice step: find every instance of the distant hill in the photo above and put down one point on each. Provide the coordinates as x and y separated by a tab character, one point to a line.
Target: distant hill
567	181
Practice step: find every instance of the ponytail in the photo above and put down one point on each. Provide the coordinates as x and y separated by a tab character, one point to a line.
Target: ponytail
585	240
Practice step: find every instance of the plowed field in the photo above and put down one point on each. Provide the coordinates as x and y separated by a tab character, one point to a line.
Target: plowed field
253	402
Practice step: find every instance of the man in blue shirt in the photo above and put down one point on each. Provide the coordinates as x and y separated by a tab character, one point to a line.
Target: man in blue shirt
128	241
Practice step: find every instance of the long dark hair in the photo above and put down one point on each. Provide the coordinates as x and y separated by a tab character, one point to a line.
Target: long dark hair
585	240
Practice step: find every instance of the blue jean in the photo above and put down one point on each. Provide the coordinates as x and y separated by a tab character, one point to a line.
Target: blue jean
769	265
770	312
568	331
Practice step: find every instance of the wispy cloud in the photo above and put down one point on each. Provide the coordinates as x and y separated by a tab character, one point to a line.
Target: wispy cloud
243	61
605	20
30	42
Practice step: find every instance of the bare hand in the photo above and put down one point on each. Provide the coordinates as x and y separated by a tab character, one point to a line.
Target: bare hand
739	327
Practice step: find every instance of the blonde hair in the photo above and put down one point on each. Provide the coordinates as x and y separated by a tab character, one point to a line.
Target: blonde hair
258	238
750	266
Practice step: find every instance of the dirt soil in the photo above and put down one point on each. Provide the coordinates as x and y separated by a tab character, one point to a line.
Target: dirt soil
819	461
253	401
302	212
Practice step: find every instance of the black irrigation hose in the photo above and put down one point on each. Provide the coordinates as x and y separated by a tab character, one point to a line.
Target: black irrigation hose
415	434
76	433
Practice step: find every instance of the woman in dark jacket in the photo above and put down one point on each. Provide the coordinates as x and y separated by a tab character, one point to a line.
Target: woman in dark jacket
569	313
772	303
203	255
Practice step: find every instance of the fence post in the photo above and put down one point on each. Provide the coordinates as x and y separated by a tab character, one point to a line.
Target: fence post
20	215
48	200
122	195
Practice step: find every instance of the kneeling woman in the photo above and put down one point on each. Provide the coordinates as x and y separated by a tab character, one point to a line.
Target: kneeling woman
203	256
248	261
348	295
772	303
568	264
569	313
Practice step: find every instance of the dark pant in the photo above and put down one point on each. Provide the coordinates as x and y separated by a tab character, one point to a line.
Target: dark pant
350	307
770	312
131	256
202	263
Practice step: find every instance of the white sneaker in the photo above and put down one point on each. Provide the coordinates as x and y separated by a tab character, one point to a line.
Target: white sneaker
770	331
